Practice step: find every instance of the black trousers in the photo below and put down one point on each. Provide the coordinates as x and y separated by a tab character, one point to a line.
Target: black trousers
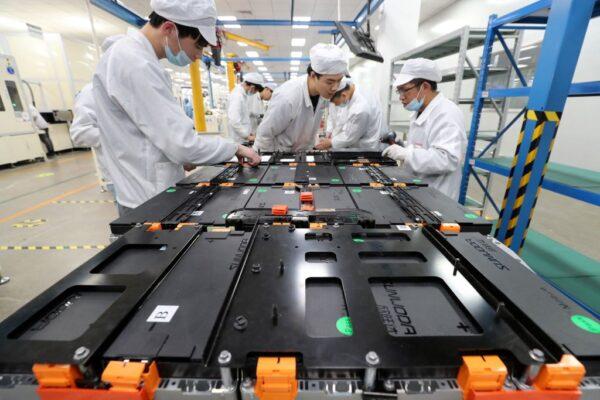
45	138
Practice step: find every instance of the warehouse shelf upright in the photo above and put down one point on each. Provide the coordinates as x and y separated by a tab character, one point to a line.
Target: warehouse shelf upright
565	23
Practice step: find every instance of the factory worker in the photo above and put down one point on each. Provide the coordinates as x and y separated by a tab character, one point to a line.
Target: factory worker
238	112
335	118
296	108
256	104
84	129
362	121
145	134
436	143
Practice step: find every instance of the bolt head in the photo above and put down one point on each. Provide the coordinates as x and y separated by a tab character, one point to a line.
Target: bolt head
224	357
537	355
372	358
81	353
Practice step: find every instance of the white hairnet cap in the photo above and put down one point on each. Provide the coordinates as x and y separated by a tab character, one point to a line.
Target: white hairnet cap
253	77
201	14
270	85
109	41
328	59
421	68
345	83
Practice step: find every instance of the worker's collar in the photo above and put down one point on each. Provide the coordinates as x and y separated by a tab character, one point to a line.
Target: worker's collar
307	101
143	40
420	119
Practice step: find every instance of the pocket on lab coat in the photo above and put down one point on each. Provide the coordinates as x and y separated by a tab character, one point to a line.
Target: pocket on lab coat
168	174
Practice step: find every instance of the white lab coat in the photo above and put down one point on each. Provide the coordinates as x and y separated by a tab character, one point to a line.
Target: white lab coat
238	115
335	118
436	145
290	123
84	128
37	118
362	123
256	108
146	135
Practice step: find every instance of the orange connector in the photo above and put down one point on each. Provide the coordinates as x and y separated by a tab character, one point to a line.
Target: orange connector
399	184
481	373
203	184
376	185
306	197
450	228
128	381
276	378
226	184
357	164
312	164
279	209
154	227
566	375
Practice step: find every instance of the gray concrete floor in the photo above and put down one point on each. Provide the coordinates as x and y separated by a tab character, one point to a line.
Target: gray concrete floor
29	192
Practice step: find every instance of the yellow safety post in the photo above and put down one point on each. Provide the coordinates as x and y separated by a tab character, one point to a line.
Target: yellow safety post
230	73
197	97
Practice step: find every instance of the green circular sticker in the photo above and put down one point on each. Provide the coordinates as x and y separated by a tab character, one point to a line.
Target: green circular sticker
342	167
358	240
417	181
471	216
344	326
253	180
585	323
335	180
171	190
357	190
262	190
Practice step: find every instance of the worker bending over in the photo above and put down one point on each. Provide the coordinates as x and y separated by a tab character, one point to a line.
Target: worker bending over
362	121
256	104
145	134
238	111
437	140
296	108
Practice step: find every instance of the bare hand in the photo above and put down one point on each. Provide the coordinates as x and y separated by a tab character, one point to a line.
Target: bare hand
247	156
251	138
189	167
324	144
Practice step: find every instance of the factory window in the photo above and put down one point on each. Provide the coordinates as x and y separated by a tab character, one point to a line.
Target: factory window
15	99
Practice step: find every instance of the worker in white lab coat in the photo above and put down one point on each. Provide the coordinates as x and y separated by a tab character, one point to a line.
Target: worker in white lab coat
335	120
297	106
84	129
437	141
145	134
239	124
362	122
256	104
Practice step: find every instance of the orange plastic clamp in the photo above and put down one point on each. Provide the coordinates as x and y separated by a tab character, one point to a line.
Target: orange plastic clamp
182	225
317	225
307	207
376	165
154	226
566	375
312	164
306	197
289	184
279	209
481	373
276	378
293	164
56	375
226	184
450	227
376	184
399	184
201	184
357	164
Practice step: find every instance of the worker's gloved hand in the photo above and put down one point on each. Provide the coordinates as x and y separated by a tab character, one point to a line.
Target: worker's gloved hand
395	152
248	156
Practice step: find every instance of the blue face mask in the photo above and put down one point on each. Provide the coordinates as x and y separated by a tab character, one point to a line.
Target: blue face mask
415	104
181	59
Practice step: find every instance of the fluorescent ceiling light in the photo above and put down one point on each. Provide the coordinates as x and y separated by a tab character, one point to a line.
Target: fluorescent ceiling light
168	69
301	19
295	62
262	69
252	54
242	44
298	42
232	26
295	26
259	63
296	54
227	18
294	69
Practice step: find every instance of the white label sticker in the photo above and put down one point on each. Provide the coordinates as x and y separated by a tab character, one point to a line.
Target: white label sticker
197	213
439	214
292	168
162	314
245	192
289	192
383	192
312	178
192	192
287	160
265	158
310	158
403	227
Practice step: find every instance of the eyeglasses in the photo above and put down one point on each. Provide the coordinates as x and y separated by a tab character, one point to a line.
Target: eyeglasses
402	92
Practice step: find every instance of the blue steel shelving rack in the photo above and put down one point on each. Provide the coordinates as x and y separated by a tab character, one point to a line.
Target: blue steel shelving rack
565	23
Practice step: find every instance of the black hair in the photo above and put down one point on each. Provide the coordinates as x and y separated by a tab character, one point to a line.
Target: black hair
309	70
156	21
339	92
419	82
259	88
